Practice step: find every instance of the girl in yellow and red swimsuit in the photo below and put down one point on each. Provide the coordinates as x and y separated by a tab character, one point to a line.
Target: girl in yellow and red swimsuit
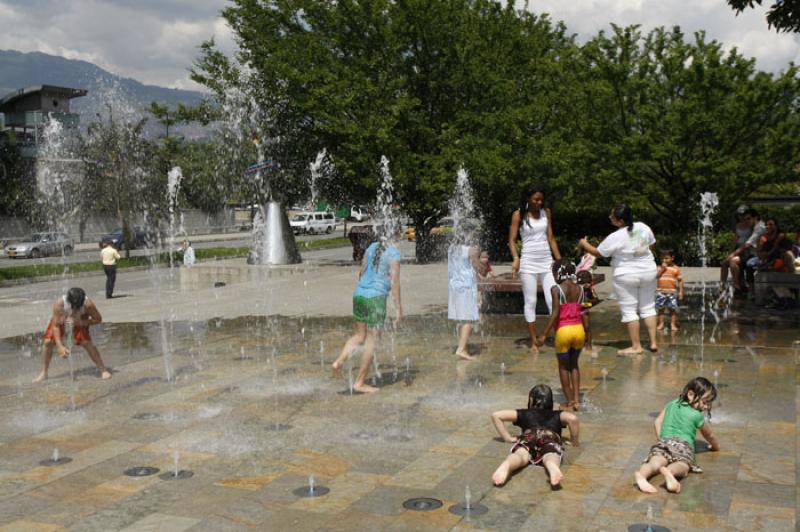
570	334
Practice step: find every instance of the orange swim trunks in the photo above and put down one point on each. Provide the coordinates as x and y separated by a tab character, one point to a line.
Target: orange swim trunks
79	334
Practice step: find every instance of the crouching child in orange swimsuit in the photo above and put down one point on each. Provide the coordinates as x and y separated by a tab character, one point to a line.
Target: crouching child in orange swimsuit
540	442
81	311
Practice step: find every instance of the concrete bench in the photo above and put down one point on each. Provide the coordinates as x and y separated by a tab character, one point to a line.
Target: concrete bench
502	294
784	284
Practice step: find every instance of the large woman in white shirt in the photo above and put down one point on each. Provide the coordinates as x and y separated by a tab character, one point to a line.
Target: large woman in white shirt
634	273
533	223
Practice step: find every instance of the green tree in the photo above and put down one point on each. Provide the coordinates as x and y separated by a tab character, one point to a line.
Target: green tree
123	175
669	119
783	15
16	175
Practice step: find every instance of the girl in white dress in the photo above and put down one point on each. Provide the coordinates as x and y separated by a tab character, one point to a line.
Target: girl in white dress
533	223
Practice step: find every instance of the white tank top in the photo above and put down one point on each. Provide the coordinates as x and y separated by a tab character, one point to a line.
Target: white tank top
536	256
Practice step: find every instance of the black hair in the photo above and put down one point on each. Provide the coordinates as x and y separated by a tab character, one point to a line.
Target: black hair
623	212
752	213
541	397
584	277
668	251
777	225
699	386
383	243
563	270
529	191
76	297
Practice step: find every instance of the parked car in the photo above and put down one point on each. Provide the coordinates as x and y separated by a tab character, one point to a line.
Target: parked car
313	222
42	245
358	213
140	237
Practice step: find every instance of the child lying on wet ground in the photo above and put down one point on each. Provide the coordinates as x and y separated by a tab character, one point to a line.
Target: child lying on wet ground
540	442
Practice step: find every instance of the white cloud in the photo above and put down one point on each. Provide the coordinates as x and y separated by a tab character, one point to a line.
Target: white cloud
748	32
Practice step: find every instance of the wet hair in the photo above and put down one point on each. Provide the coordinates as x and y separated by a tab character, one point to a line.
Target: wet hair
541	397
564	270
76	297
383	243
623	212
699	386
584	277
668	252
529	191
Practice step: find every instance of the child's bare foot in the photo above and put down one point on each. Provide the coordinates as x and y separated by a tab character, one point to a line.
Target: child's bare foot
365	388
464	355
41	377
105	374
534	349
555	478
628	351
336	370
673	486
654	347
643	484
501	475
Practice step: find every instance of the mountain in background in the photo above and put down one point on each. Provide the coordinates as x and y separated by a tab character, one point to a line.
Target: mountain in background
18	70
125	95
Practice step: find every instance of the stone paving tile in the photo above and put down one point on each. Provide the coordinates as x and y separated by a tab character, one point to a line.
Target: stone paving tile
161	523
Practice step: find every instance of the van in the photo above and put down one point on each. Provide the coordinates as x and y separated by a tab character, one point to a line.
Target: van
313	222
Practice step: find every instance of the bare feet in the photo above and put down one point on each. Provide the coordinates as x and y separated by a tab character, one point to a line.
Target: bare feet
41	377
336	370
365	388
464	355
673	486
643	484
534	349
105	374
555	478
501	475
654	348
630	351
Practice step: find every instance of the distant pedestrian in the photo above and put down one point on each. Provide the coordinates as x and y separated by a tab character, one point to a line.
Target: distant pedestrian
78	310
188	253
110	256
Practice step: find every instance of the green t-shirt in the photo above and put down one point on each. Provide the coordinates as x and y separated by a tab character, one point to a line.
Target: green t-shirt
681	420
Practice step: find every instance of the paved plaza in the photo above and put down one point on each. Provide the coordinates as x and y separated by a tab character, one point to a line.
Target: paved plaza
253	412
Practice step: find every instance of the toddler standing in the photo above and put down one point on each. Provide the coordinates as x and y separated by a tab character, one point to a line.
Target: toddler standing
669	289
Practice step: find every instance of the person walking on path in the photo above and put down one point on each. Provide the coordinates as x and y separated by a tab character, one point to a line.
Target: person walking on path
81	312
633	272
533	223
109	256
462	294
379	275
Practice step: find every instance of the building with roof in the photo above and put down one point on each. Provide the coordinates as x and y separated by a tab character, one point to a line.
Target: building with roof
25	112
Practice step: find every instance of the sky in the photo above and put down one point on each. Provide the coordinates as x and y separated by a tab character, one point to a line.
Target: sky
155	41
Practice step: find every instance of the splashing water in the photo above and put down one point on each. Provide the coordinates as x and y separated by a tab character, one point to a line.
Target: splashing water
175	457
467	498
389	225
462	204
56	455
709	201
311	483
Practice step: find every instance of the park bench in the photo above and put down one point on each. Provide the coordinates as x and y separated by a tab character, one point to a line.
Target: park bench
502	294
783	284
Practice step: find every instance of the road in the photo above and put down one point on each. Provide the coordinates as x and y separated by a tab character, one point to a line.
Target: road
88	252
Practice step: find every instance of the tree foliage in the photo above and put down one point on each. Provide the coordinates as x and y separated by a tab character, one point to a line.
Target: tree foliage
650	119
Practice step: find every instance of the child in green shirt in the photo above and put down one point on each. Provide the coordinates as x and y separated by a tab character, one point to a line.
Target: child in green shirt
676	428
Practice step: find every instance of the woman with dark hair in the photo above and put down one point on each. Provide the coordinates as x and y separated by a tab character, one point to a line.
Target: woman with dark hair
633	272
533	224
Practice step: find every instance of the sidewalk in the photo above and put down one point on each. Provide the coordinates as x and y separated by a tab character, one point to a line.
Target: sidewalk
321	286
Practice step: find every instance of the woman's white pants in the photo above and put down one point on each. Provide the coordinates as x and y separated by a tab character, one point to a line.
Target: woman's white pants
636	295
530	282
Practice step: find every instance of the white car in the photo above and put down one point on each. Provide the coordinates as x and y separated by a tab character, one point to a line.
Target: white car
41	245
313	222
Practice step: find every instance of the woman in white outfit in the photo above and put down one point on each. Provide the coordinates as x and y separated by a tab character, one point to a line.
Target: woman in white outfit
462	301
533	223
633	272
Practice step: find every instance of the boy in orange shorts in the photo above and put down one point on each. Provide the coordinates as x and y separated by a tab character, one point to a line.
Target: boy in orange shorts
82	312
669	289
